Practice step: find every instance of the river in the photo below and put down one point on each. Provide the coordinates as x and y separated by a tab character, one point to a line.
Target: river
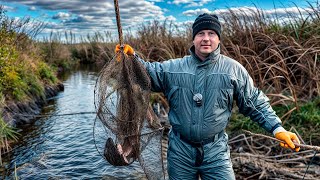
63	147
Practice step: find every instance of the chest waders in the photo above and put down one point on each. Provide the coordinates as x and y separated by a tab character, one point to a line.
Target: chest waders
199	145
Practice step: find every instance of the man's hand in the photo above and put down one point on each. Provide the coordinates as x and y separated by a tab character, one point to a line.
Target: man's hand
127	50
288	138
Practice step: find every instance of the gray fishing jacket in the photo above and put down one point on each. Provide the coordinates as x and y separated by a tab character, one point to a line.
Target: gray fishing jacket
220	80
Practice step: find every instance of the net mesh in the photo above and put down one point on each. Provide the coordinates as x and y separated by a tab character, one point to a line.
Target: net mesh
126	127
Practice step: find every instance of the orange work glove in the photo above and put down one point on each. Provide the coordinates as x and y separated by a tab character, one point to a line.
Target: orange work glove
288	138
127	50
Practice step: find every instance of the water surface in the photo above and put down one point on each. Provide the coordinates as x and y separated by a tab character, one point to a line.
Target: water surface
62	147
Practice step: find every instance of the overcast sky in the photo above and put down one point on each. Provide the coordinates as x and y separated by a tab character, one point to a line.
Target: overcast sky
89	16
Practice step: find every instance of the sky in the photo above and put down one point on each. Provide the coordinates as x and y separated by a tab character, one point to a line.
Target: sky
83	17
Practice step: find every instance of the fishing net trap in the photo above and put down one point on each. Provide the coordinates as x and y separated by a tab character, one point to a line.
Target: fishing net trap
126	128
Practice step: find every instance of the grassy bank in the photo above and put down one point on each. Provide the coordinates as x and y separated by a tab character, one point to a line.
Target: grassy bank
23	72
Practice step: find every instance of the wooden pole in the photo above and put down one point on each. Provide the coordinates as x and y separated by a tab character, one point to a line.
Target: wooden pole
116	6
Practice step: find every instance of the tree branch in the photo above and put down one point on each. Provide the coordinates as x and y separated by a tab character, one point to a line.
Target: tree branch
304	146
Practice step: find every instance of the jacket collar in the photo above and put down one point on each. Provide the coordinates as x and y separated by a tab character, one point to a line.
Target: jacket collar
213	57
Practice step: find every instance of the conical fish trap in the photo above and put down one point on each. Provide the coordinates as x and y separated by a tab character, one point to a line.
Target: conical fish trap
126	128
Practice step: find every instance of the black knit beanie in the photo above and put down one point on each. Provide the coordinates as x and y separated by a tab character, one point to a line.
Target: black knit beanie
205	22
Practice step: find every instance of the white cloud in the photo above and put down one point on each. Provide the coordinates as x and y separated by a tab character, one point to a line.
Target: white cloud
8	8
290	11
251	11
32	8
196	12
177	2
155	0
61	15
171	18
190	3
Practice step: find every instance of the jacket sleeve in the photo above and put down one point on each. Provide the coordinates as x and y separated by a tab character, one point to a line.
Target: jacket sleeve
254	103
156	73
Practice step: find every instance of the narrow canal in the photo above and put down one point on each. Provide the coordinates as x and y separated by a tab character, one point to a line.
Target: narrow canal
62	147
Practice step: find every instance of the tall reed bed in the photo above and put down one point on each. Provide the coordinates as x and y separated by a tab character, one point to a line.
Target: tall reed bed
282	56
160	41
67	49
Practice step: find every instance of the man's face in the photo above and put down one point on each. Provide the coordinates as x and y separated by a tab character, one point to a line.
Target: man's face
205	42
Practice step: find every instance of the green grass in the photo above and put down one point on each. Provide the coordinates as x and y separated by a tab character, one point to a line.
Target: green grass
7	133
23	69
306	121
238	122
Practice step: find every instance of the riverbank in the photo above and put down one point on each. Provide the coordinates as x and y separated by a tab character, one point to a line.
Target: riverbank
17	113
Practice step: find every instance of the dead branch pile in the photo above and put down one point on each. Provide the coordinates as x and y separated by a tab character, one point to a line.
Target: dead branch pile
262	158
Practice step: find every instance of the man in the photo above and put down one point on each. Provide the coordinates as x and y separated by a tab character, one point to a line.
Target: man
200	89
